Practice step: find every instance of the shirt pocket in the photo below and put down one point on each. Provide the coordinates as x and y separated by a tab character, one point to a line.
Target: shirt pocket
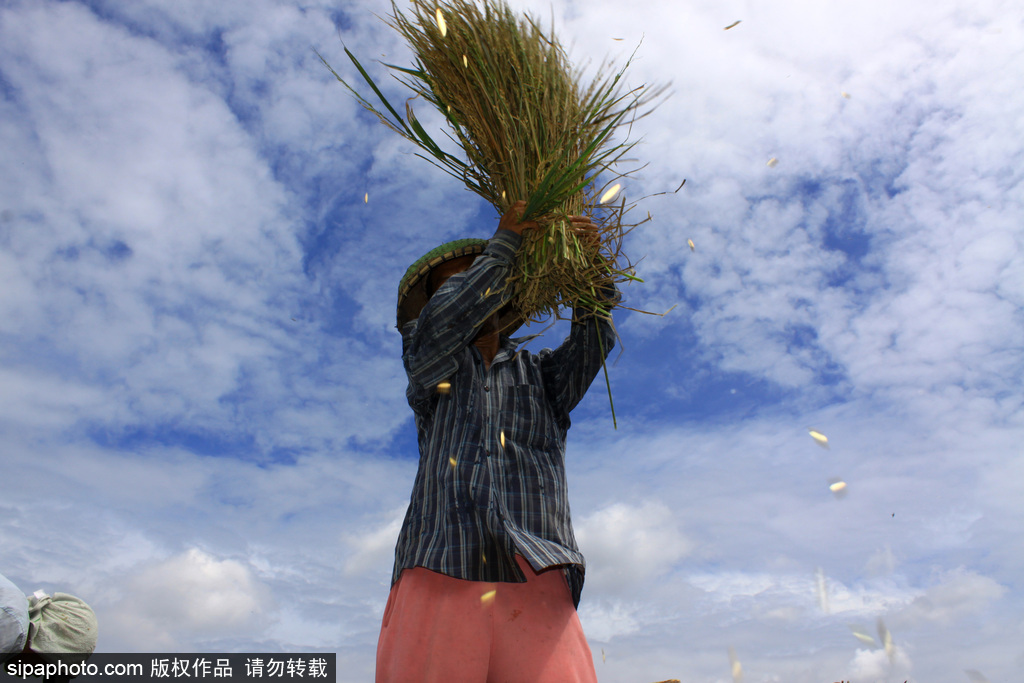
526	419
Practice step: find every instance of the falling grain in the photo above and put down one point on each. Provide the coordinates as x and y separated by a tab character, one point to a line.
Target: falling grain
611	193
819	438
861	634
737	668
886	638
441	23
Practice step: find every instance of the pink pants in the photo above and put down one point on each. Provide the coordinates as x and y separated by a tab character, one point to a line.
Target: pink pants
437	629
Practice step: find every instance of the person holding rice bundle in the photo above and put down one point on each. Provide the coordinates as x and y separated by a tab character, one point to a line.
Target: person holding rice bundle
487	573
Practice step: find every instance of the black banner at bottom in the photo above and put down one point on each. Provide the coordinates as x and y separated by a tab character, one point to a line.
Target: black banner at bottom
230	667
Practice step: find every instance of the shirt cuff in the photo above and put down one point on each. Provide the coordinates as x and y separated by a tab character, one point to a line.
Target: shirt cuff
504	245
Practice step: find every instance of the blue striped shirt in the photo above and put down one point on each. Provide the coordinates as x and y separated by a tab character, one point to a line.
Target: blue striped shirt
491	480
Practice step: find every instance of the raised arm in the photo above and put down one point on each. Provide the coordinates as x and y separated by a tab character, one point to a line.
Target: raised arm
570	369
453	315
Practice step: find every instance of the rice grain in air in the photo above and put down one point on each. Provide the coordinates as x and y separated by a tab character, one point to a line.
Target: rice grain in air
838	488
886	638
610	194
441	24
861	634
737	668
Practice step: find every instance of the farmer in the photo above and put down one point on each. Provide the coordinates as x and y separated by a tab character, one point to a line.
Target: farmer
487	573
39	627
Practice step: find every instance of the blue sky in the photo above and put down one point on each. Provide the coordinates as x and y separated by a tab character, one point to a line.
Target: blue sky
201	396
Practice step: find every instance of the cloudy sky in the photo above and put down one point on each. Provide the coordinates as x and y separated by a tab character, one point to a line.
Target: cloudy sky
202	415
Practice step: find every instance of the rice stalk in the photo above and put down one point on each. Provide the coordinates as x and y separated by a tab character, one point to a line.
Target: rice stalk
528	127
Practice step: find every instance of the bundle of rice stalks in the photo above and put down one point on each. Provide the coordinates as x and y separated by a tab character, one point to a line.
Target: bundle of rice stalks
528	128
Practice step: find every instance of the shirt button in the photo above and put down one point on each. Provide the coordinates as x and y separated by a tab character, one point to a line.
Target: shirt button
486	388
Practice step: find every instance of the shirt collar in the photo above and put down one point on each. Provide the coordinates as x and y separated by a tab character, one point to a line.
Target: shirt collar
519	341
509	346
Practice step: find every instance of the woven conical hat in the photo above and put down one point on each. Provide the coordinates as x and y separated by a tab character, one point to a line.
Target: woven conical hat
412	290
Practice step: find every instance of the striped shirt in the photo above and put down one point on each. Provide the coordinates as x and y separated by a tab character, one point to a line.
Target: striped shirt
491	480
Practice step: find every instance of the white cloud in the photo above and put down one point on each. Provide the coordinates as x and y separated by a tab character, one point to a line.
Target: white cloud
867	599
881	563
170	603
375	549
875	666
628	549
953	528
626	545
603	620
156	259
933	299
150	216
791	598
960	593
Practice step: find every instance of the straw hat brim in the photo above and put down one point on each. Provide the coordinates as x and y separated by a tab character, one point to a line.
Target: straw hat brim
412	290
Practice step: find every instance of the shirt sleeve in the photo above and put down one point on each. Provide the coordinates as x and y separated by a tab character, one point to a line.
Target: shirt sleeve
452	316
13	619
570	369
